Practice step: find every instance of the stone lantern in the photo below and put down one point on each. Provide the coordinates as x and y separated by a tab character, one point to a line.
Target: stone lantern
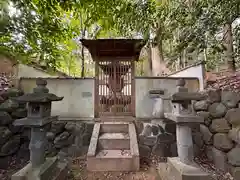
38	117
183	167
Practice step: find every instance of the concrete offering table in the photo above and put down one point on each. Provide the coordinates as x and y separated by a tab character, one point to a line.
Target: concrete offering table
38	117
183	167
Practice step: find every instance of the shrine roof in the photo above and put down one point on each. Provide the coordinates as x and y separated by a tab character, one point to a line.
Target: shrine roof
114	47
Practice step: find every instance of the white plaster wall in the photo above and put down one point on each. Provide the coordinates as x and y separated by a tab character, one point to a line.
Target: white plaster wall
78	101
28	71
196	71
145	105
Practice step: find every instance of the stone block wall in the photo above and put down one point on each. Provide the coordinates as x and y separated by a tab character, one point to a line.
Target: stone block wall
65	138
221	129
70	139
158	138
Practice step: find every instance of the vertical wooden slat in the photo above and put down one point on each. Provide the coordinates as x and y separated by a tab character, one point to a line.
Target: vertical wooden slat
133	88
114	86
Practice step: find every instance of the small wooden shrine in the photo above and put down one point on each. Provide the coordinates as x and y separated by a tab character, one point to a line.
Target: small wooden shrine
114	74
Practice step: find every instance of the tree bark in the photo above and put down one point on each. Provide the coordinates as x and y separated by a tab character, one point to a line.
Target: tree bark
149	64
157	53
228	44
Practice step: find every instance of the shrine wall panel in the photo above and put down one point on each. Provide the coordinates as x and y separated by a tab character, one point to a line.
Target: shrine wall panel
78	93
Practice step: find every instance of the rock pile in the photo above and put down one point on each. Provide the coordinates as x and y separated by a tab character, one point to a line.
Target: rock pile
11	137
64	136
221	129
159	139
154	140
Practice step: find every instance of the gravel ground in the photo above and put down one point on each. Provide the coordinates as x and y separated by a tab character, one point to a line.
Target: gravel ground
147	171
207	166
10	165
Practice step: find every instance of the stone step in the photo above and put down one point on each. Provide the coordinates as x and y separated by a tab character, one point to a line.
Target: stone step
113	160
114	141
114	156
115	118
114	127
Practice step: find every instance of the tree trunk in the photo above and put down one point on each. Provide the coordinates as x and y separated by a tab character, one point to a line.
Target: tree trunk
82	54
149	64
157	53
83	63
228	44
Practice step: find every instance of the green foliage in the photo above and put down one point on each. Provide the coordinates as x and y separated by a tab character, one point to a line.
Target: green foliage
48	31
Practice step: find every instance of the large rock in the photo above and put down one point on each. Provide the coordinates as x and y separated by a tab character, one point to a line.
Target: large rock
147	130
139	126
64	139
5	135
234	134
75	128
148	140
166	125
219	159
220	126
11	146
1	100
214	95
86	138
5	118
233	116
9	105
12	92
173	149
19	113
144	151
166	138
161	150
50	136
57	127
230	99
26	134
207	135
70	126
155	130
206	116
89	128
233	156
15	129
222	142
51	150
201	105
217	110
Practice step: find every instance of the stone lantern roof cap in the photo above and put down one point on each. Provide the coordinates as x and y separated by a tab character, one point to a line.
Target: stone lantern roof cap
40	94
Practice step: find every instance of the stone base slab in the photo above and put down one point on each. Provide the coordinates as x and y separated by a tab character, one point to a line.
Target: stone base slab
176	170
50	170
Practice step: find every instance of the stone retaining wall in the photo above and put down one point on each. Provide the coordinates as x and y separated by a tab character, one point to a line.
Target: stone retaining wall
68	137
221	129
158	138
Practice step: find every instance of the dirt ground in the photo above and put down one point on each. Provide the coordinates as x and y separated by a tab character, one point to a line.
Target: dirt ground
79	172
148	171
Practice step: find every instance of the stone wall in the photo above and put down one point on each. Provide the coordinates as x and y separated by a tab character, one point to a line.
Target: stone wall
63	137
158	138
221	129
